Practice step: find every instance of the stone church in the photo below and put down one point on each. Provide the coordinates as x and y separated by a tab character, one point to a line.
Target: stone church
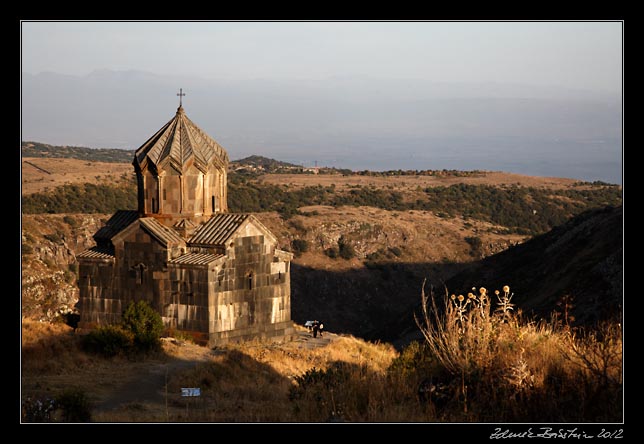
215	275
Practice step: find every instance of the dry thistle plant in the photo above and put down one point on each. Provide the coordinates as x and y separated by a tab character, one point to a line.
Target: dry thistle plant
504	304
462	336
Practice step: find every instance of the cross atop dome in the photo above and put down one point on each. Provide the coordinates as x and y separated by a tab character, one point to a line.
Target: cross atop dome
181	94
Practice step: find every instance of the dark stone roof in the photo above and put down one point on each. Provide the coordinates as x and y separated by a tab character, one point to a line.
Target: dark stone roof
196	259
97	253
160	232
180	142
218	229
116	223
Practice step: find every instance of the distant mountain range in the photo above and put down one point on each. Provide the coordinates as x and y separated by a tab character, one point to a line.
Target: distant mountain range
355	123
38	149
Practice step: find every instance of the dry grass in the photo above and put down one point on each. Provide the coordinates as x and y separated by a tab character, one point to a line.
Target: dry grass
495	178
251	382
58	172
503	367
53	361
476	365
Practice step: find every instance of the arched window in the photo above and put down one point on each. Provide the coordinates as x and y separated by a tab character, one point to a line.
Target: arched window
213	202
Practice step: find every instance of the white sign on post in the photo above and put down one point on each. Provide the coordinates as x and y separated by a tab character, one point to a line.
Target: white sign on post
190	391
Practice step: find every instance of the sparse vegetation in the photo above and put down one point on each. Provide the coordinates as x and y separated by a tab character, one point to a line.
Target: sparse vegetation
498	366
522	210
74	405
345	249
476	246
139	331
145	323
332	252
299	246
84	198
109	340
481	360
37	149
475	365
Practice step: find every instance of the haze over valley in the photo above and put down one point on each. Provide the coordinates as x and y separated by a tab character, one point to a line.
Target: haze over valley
356	122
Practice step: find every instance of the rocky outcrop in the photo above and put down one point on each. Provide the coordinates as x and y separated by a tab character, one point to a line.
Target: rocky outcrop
49	272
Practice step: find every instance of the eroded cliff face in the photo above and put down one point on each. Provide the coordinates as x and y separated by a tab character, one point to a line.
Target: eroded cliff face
393	253
49	271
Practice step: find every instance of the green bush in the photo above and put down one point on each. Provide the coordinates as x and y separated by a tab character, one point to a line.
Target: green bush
145	323
75	406
82	198
415	359
108	340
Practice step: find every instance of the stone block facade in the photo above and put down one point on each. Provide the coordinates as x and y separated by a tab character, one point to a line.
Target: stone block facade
216	275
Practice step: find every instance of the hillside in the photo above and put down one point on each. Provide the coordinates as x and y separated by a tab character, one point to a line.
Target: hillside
44	150
363	245
262	163
520	204
393	252
396	229
576	267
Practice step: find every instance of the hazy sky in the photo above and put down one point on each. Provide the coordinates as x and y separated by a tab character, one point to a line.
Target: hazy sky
583	55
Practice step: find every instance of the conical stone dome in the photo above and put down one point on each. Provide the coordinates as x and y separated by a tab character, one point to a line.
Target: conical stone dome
181	173
180	143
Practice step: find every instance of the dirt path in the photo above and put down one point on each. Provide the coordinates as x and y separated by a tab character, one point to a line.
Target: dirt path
148	387
145	388
305	339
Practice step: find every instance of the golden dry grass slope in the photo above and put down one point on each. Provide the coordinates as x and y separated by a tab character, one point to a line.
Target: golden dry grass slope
41	174
524	372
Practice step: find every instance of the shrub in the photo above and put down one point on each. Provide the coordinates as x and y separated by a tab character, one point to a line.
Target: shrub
108	340
332	252
476	246
345	249
298	225
27	249
75	406
145	323
72	222
54	237
497	365
300	246
414	358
